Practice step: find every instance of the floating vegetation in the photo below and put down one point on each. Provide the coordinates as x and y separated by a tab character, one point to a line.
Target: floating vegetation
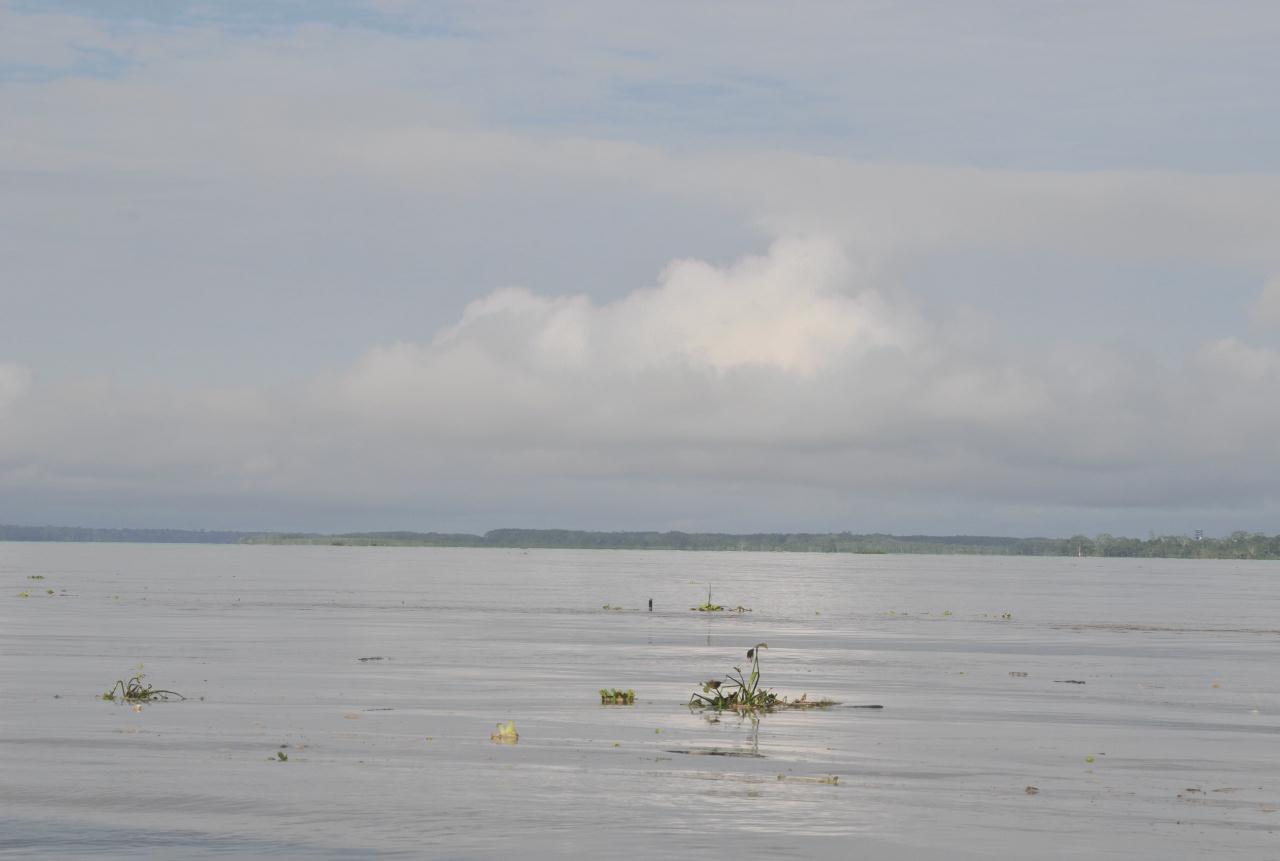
505	733
372	658
717	751
616	697
828	780
744	694
805	703
281	756
611	607
709	607
25	593
712	607
135	691
35	576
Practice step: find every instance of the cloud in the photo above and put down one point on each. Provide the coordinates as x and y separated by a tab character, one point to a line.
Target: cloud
246	266
1265	310
15	380
792	310
780	372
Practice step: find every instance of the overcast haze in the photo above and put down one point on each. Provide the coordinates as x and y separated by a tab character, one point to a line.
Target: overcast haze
939	267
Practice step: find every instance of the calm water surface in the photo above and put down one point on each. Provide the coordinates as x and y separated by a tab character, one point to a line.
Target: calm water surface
1170	748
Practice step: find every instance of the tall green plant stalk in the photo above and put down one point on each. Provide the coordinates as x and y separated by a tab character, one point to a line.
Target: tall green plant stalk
738	691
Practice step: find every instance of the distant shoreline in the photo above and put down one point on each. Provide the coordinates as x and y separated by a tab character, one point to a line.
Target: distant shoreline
1238	545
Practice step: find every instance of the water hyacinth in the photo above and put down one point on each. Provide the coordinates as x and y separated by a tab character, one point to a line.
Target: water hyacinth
134	691
744	694
505	733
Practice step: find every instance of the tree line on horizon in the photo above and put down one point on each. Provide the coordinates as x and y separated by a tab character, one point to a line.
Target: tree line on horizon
1237	545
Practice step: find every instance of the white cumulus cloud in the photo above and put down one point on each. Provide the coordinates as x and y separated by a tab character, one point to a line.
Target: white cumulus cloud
1265	310
15	380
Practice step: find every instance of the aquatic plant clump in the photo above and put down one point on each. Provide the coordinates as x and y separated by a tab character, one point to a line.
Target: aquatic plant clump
505	733
712	607
135	691
616	697
708	607
744	694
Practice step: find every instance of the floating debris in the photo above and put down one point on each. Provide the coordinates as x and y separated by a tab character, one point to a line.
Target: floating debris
616	697
134	691
505	733
717	751
829	780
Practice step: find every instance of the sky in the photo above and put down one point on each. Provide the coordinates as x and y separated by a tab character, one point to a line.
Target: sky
916	267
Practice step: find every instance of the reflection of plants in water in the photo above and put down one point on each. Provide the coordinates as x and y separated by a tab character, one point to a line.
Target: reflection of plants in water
753	734
739	692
